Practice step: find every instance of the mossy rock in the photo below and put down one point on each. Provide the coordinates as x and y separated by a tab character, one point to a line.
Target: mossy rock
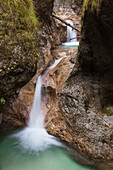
19	51
91	6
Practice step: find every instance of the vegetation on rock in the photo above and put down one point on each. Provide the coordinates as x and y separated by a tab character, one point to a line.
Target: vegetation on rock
18	40
19	26
90	6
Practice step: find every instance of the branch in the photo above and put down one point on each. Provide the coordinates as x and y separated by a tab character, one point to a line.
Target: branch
65	22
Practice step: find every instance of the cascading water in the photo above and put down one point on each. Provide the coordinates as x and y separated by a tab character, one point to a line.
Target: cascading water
71	36
34	137
37	115
36	118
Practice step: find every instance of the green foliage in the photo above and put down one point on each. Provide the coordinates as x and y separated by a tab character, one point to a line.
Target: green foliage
2	100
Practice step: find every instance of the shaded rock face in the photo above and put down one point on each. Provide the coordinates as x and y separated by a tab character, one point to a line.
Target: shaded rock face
97	40
44	9
96	48
84	117
48	35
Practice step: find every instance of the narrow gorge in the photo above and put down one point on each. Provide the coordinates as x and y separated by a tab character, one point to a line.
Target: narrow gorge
56	85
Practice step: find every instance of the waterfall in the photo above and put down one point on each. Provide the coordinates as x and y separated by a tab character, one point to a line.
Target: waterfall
71	34
34	137
36	117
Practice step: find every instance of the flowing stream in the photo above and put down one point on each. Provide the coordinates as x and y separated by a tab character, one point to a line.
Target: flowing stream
33	148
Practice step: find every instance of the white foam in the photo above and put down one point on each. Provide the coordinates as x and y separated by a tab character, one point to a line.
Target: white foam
35	139
71	43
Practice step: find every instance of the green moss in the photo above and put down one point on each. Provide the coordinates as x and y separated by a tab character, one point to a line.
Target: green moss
108	112
21	11
71	73
19	27
91	6
2	100
60	65
77	63
67	80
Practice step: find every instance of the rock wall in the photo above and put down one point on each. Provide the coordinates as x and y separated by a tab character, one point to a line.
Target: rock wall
85	116
96	46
